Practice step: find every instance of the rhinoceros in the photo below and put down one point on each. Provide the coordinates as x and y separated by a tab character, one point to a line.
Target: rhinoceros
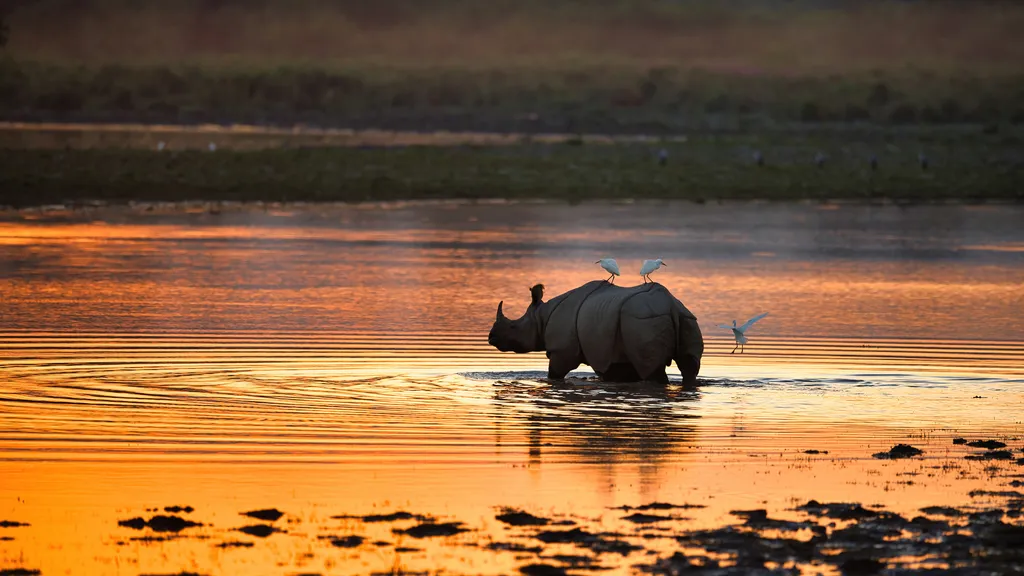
624	334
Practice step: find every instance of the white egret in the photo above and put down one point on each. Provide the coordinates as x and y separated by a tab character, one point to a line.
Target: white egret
610	266
161	145
740	333
211	147
922	160
649	267
662	156
758	158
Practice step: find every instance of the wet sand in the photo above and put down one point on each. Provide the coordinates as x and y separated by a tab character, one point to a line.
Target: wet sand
163	374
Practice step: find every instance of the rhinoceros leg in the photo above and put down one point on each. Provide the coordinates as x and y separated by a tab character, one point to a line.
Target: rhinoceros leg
658	376
561	364
688	369
620	372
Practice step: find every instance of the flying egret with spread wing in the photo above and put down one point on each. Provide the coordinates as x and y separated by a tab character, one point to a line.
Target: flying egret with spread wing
740	333
610	266
649	267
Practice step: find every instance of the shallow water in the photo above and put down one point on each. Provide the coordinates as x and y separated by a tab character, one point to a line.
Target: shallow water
330	360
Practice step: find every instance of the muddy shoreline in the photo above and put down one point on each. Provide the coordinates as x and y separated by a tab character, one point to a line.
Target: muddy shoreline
983	534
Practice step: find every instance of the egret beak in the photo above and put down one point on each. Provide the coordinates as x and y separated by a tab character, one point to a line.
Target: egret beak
663	264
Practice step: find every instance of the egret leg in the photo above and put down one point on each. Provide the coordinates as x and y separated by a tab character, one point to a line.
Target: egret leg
741	348
735	347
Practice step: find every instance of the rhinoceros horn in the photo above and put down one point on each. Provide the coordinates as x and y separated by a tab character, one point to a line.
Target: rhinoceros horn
500	315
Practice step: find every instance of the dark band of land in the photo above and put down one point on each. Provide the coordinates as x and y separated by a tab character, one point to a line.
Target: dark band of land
933	91
933	166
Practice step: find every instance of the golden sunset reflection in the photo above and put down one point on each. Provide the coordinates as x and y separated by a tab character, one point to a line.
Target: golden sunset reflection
333	361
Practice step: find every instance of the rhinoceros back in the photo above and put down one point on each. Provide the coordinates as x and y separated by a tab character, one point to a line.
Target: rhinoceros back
601	324
639	325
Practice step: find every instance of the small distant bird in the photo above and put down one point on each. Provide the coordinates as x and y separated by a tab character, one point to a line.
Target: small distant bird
819	159
662	157
649	267
211	147
758	158
739	333
874	162
922	160
610	266
160	145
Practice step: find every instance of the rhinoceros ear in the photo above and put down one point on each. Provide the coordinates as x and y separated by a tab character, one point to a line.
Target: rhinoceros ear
500	315
536	294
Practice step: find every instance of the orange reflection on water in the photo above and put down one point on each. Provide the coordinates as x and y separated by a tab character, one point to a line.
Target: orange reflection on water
332	361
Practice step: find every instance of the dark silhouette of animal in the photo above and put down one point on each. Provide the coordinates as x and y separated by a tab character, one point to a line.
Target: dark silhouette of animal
624	334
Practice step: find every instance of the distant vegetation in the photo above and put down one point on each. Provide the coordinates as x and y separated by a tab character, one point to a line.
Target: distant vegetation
641	66
961	166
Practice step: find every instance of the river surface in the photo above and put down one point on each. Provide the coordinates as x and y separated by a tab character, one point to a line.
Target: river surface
331	362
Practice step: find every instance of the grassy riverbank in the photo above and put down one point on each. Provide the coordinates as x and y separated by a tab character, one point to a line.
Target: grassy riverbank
962	166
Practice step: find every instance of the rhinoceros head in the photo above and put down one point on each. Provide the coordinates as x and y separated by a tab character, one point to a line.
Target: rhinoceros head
524	334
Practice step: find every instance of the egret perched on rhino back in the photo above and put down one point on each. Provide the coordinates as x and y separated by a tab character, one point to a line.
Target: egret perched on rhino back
624	334
610	266
649	267
740	333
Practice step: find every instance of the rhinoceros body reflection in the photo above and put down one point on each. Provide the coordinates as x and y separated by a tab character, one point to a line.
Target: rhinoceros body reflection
624	334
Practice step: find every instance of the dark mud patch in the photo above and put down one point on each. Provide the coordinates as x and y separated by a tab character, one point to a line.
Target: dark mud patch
234	544
258	530
175	574
959	441
266	514
351	541
680	563
576	561
159	523
868	541
640	518
599	543
150	539
542	570
19	572
179	509
989	444
813	451
433	529
659	506
514	517
6	539
513	547
899	451
400	549
837	510
392	517
991	455
758	519
946	511
995	494
858	566
12	524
